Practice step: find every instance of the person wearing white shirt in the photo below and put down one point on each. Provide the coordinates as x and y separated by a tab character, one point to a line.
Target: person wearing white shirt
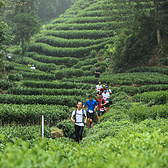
98	87
106	97
79	121
32	67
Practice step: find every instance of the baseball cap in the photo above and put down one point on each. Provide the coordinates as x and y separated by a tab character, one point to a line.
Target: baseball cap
106	86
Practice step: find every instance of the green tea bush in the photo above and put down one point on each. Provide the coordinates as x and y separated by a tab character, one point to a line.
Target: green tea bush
41	99
80	34
68	128
149	69
125	78
57	85
87	73
89	19
67	61
159	97
163	61
5	84
38	65
140	89
85	62
87	67
15	77
67	73
26	133
46	91
60	42
31	114
114	115
37	75
8	67
141	112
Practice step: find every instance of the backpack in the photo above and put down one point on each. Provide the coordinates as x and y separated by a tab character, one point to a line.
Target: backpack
82	118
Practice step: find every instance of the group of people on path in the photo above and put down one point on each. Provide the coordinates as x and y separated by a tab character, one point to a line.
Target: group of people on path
80	117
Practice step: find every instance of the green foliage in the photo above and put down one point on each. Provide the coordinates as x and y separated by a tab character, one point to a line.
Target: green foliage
57	84
26	23
37	75
47	67
8	67
69	128
15	77
67	61
141	112
149	69
85	62
67	73
125	78
31	114
61	42
44	91
131	90
159	97
163	61
41	99
5	84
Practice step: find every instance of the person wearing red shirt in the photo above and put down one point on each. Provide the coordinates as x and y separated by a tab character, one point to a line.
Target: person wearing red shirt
101	102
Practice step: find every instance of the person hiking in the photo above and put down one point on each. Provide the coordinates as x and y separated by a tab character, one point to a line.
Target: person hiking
98	87
106	97
101	102
97	72
79	121
92	105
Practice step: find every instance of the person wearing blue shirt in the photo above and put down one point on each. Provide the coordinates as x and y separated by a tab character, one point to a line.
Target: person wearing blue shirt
92	105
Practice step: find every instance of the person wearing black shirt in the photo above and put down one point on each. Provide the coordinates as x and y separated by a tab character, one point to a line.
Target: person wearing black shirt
97	73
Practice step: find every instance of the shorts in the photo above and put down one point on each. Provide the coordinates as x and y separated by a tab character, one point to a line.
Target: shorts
107	105
90	115
100	112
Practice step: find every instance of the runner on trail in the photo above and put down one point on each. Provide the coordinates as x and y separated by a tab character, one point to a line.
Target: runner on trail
9	55
79	121
103	88
92	105
108	89
101	102
98	87
106	97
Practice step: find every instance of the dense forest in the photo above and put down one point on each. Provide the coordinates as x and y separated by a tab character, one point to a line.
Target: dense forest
49	53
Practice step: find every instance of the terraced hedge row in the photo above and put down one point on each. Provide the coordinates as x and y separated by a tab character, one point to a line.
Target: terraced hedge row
92	62
39	65
79	34
158	97
60	42
57	85
141	112
38	75
31	114
149	69
65	52
44	91
125	78
82	20
41	99
5	84
140	89
67	61
26	133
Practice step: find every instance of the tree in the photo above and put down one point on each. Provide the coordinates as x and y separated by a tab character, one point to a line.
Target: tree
26	22
3	38
142	28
